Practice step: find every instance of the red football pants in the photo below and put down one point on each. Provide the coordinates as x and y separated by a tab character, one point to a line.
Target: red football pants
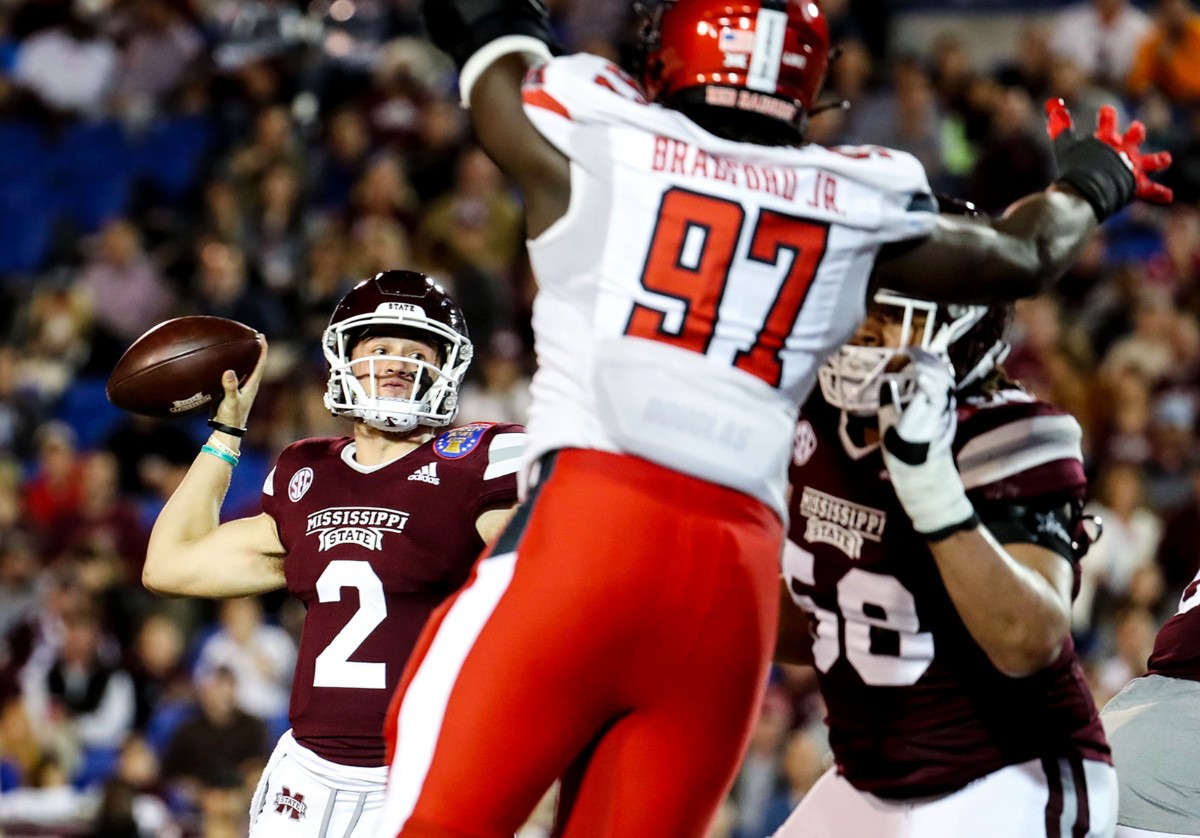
627	637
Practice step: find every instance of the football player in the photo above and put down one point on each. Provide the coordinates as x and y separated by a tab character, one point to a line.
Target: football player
936	527
1154	728
371	532
696	262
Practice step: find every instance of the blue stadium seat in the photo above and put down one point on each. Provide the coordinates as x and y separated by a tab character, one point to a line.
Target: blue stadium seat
164	720
86	408
91	175
24	150
26	223
169	155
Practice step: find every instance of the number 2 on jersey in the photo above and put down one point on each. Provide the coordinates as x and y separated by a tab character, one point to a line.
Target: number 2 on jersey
694	254
333	667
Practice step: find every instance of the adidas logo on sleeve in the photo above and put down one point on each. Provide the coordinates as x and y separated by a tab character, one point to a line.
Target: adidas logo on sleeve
426	474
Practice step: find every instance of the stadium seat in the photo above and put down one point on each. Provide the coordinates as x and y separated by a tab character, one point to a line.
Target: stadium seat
86	408
170	153
90	173
26	223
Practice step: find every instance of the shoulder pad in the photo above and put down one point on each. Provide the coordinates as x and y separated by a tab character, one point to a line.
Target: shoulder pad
1014	446
580	87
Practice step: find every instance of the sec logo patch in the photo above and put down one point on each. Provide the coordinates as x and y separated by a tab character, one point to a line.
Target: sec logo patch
804	443
299	484
459	442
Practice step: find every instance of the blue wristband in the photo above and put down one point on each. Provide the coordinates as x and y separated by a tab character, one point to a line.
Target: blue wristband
220	455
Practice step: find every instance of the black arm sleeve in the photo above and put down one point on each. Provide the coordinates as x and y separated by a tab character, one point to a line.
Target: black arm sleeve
1053	523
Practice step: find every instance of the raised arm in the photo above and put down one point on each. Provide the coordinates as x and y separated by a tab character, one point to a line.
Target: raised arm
1028	248
190	552
495	43
1014	598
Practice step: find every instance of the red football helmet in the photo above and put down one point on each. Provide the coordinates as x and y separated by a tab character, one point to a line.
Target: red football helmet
761	57
404	303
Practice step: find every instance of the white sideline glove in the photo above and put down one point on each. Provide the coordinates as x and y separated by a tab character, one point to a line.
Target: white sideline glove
916	446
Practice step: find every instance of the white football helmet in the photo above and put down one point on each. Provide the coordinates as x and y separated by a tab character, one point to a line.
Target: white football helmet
851	377
404	303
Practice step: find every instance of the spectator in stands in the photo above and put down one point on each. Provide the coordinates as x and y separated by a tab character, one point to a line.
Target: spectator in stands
1128	546
1029	66
143	446
340	159
1168	55
156	664
84	686
276	231
69	65
383	192
159	45
501	394
56	487
1178	554
1148	348
804	761
443	137
274	144
131	801
54	339
102	522
1134	633
259	655
219	741
20	409
222	288
1173	441
479	220
1101	37
125	291
325	280
761	772
1014	159
377	244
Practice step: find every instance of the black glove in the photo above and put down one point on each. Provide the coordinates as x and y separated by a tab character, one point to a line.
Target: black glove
461	27
1108	168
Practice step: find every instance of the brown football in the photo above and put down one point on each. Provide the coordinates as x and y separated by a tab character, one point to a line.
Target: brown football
175	368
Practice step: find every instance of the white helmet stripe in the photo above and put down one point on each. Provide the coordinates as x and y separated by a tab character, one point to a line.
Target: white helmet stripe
769	30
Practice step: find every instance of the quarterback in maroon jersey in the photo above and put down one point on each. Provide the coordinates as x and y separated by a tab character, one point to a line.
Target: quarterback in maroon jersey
371	532
929	580
1154	727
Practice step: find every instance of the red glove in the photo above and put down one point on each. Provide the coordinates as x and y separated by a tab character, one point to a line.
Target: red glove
1128	146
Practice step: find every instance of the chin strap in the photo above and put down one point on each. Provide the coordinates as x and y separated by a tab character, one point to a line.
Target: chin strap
853	449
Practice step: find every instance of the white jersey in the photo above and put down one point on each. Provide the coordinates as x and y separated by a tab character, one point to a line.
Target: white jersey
695	284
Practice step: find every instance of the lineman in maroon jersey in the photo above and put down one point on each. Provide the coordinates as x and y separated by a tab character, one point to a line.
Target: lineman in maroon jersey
935	574
1154	727
371	532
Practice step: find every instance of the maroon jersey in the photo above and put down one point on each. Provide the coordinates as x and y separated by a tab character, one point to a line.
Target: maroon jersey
915	707
1177	647
371	551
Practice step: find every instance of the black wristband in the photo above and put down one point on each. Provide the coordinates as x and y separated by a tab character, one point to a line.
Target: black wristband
945	532
1097	172
226	429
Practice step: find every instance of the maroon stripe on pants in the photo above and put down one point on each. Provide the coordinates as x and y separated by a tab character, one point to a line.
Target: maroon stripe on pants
1054	806
1083	817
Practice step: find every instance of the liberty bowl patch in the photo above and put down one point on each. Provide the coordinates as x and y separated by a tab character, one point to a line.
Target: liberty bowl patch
459	442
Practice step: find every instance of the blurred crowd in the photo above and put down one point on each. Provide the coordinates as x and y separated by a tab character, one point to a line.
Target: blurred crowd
254	158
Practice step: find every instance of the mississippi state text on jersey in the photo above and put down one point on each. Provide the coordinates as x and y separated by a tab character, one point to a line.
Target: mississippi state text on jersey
371	552
915	707
694	286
